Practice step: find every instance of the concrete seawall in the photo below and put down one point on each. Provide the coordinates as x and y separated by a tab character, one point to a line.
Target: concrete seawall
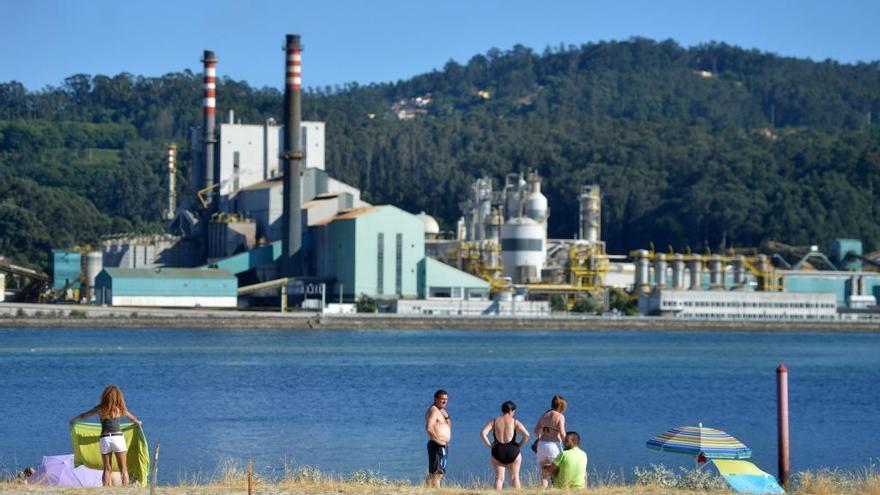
68	316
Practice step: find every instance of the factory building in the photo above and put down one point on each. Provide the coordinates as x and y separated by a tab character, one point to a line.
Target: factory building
742	305
249	155
379	251
166	287
854	290
263	201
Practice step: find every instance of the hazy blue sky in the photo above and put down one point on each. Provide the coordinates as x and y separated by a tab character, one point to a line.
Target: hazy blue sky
45	41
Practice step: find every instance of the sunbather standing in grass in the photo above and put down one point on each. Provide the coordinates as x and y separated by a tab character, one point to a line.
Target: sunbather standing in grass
505	449
550	432
439	429
110	410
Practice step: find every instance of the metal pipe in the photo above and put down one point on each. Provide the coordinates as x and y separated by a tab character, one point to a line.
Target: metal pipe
696	266
642	263
739	270
716	272
291	259
782	417
209	108
678	272
660	270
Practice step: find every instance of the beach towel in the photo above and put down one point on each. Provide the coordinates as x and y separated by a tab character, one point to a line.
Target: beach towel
745	477
84	439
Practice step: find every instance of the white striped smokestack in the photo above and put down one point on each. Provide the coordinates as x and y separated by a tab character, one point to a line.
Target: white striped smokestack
291	262
172	181
209	107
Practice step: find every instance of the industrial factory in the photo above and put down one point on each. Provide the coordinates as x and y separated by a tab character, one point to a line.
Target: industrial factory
264	224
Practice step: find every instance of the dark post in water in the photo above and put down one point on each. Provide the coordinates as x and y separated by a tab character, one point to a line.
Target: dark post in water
782	410
292	155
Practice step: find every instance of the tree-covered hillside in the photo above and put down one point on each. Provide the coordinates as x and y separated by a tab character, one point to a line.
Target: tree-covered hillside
704	147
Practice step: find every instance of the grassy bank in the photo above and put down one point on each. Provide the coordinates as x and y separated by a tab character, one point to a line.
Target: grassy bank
654	480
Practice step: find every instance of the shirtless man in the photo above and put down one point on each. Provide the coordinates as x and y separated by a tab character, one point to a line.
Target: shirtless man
439	429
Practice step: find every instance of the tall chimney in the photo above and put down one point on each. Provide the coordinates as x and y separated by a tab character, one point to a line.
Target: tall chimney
209	108
291	242
172	176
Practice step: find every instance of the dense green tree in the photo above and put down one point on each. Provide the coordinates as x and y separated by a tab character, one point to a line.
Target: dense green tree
705	147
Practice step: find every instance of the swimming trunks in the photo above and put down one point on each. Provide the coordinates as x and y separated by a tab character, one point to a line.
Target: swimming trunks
505	453
437	457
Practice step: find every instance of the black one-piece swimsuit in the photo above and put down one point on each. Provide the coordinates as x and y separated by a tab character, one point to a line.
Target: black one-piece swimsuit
505	453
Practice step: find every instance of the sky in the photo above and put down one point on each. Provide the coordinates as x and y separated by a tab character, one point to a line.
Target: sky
45	41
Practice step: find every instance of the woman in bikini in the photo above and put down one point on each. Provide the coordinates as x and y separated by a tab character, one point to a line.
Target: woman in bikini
550	432
505	448
110	410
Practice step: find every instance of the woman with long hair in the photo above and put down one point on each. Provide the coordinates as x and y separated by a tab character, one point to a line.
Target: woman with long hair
111	408
505	448
550	432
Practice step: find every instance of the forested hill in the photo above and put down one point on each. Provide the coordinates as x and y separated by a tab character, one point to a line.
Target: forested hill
705	147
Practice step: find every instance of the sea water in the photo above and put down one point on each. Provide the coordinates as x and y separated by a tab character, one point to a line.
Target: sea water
344	401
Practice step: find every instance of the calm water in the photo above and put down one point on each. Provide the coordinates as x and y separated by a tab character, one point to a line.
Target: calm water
349	400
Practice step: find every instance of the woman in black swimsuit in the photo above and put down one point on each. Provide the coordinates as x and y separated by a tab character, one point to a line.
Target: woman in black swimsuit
505	448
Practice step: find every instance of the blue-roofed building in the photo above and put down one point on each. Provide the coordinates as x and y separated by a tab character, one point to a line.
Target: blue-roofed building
167	287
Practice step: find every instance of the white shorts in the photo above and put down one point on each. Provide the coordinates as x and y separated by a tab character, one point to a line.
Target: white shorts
547	452
113	443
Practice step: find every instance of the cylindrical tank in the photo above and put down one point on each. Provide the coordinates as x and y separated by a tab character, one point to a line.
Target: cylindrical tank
739	270
522	248
641	281
94	265
536	203
696	267
660	270
493	255
493	226
763	263
432	228
590	213
511	203
716	272
484	204
678	272
461	229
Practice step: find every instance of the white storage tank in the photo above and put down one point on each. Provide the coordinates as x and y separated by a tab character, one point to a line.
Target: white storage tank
523	249
94	265
536	203
432	228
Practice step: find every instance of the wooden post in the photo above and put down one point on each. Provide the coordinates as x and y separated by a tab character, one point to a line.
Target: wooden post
250	476
782	416
284	298
154	470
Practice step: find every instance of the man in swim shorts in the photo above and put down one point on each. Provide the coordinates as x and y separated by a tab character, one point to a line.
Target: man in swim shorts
439	429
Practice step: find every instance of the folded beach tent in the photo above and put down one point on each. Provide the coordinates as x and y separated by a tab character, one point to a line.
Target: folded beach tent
745	477
58	470
86	451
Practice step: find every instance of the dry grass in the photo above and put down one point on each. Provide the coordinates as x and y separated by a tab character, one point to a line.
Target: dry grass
231	478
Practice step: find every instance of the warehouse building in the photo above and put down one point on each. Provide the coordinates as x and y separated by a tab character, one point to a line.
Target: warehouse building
738	305
166	287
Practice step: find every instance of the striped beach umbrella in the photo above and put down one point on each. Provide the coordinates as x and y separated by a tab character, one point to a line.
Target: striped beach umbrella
696	440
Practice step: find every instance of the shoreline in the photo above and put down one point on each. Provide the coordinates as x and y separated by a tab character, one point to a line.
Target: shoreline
19	315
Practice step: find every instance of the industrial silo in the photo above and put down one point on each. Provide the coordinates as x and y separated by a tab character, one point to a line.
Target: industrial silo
523	249
535	206
94	265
